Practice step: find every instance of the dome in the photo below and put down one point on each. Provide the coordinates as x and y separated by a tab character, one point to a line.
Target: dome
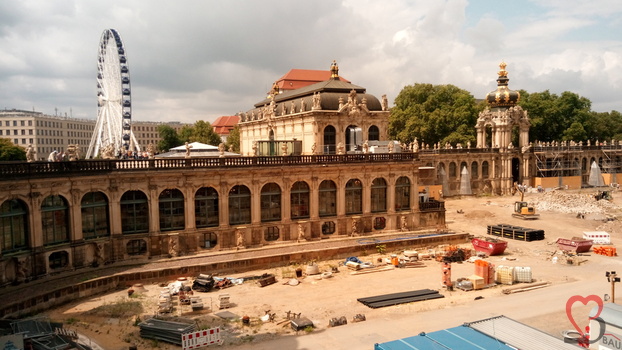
503	96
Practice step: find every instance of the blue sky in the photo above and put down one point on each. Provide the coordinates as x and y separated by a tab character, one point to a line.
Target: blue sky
200	59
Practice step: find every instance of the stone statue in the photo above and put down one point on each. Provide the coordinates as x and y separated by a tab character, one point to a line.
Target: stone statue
385	103
284	149
313	148
355	228
254	148
221	150
21	269
341	102
391	146
302	105
150	150
340	148
415	145
510	145
317	101
188	147
365	147
292	109
301	233
30	153
172	246
468	145
240	239
403	224
108	152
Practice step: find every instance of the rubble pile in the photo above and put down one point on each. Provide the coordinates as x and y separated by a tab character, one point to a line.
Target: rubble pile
573	203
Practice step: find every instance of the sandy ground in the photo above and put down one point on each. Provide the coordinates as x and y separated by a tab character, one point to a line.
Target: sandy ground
110	320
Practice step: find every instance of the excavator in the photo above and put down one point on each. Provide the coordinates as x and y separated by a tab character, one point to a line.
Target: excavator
521	209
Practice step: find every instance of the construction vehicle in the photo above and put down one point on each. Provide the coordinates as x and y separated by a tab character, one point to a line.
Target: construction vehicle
522	210
603	195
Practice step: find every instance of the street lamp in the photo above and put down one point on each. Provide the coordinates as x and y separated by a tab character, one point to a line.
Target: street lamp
612	277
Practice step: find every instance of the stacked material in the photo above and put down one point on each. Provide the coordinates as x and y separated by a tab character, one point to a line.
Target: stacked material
606	251
167	331
516	232
400	298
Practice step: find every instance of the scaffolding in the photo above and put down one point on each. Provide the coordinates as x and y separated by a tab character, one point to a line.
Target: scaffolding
557	163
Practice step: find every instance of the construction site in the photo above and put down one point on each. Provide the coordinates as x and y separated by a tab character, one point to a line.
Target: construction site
416	286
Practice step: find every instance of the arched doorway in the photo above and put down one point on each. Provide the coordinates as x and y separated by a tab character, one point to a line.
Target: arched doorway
516	170
354	137
329	139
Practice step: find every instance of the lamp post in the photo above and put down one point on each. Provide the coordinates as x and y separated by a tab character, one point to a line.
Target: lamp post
612	277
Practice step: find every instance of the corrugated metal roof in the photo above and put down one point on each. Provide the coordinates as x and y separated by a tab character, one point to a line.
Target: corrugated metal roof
457	338
519	334
611	314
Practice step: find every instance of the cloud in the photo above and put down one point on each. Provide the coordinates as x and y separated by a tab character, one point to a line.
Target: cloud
202	59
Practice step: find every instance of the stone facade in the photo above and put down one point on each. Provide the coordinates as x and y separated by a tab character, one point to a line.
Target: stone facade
70	219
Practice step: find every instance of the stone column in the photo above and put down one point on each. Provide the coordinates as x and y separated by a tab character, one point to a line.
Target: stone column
154	209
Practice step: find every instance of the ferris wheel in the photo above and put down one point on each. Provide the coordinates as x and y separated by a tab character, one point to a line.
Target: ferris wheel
113	129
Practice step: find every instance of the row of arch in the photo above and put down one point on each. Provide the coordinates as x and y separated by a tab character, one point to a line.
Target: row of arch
15	233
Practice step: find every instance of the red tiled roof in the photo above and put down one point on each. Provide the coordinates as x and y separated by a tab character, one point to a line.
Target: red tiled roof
298	78
223	125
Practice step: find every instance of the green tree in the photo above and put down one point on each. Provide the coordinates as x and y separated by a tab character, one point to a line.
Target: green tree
604	126
233	140
434	113
185	133
168	138
204	132
9	151
552	115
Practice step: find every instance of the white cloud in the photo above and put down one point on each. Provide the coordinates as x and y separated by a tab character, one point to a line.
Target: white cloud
203	58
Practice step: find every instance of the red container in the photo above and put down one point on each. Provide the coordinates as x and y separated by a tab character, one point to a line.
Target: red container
576	244
490	246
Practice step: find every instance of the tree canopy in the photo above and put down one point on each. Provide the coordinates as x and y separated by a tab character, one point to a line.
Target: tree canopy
201	131
445	113
233	140
434	113
9	151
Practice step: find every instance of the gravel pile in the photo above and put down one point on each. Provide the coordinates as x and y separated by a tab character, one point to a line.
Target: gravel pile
573	203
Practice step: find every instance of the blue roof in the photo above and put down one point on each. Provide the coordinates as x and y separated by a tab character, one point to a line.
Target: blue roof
458	338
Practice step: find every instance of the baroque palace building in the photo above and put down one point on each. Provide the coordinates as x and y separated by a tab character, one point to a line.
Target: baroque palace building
316	163
56	217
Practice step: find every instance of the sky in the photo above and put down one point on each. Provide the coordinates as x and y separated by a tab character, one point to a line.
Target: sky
195	60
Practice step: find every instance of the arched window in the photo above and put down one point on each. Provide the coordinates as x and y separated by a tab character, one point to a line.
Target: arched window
328	198
378	195
330	139
172	215
373	133
299	200
402	194
58	260
239	205
55	220
134	212
206	207
270	202
354	197
271	233
13	226
452	169
485	169
474	171
210	240
95	222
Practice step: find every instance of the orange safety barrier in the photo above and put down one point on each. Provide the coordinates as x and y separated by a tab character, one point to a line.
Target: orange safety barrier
606	251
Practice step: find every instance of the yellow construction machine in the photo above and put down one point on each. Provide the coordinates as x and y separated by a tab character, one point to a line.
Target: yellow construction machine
521	209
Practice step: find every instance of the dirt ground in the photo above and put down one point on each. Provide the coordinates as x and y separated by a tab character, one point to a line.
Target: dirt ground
110	320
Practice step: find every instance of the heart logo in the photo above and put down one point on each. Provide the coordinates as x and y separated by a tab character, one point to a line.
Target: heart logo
584	301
